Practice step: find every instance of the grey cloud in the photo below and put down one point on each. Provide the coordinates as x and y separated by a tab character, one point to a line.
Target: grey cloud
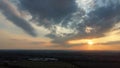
13	15
66	12
102	19
105	17
49	9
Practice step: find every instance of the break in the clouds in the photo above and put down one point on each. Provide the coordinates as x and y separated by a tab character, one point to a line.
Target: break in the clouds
13	14
66	19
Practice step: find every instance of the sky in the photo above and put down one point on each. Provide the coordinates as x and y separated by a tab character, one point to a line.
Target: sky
60	24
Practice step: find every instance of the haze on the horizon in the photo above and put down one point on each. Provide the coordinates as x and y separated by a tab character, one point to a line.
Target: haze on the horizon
60	24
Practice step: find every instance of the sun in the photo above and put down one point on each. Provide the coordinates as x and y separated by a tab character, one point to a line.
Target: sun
90	42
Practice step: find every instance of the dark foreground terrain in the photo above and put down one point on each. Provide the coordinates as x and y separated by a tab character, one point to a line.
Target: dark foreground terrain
59	59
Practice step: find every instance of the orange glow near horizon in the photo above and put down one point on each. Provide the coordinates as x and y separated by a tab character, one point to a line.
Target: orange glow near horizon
84	41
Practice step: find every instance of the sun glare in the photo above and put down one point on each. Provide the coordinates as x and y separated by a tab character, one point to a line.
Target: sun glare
90	42
84	41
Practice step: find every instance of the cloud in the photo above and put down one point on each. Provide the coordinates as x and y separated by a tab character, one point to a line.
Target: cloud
12	13
101	20
111	43
49	9
67	20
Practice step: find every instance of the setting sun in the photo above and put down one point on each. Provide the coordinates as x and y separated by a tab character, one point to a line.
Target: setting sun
90	42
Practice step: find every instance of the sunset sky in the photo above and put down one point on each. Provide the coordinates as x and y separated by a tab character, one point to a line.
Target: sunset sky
60	24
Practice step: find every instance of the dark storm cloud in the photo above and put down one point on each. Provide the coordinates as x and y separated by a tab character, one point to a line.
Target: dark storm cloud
51	12
12	14
102	19
49	9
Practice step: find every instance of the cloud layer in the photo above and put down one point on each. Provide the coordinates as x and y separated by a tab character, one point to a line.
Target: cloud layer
66	19
70	16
